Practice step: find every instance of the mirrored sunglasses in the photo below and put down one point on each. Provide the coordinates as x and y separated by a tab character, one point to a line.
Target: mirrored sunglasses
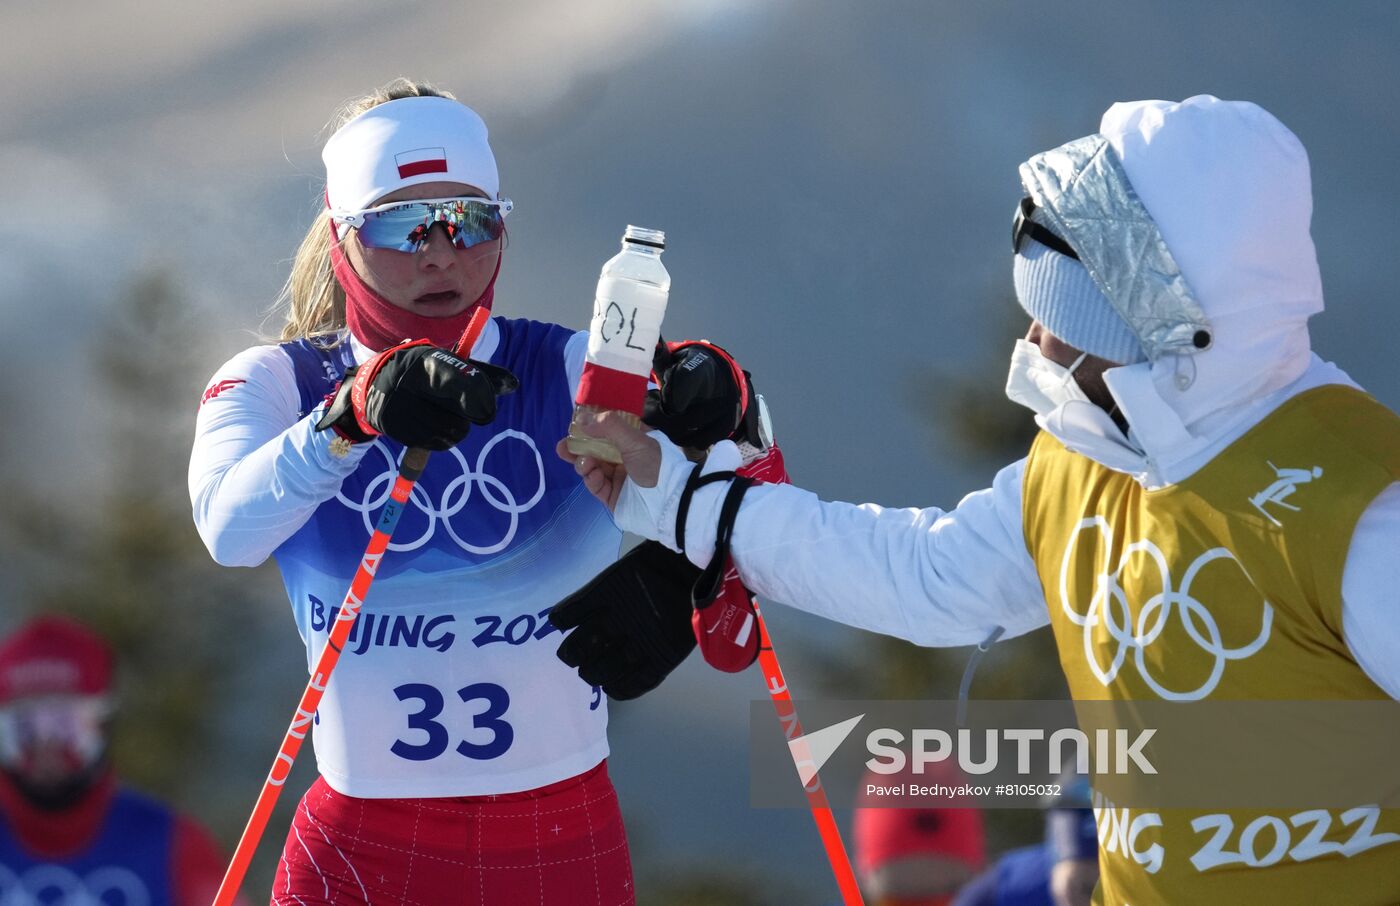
404	226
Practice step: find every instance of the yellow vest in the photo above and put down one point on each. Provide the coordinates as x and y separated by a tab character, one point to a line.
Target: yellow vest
1248	551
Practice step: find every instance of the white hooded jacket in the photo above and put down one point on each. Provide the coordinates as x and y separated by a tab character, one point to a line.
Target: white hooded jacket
1228	187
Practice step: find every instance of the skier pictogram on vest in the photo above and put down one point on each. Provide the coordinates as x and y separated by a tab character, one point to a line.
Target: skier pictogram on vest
1283	487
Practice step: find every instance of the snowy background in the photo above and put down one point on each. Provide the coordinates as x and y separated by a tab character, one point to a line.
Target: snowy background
835	180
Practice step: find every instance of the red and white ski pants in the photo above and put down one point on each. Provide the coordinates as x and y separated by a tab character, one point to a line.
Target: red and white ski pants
559	844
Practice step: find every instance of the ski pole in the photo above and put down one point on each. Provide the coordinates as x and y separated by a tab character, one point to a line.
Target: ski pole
816	794
414	461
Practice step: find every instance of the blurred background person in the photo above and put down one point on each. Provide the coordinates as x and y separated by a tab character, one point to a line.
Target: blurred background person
915	856
1060	871
69	833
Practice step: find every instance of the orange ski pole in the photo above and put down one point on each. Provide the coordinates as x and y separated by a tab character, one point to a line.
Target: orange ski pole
816	794
414	461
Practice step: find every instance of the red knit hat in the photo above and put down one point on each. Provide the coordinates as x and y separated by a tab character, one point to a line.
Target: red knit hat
882	835
54	656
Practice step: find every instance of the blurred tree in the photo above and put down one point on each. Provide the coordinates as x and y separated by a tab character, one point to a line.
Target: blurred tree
968	405
1026	667
130	564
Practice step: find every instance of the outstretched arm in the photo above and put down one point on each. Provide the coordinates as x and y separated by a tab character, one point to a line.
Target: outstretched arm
933	577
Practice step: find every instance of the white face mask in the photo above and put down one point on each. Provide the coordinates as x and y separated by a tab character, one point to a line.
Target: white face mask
1038	383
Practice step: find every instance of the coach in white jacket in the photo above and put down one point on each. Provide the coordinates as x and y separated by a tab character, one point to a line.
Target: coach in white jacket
1209	511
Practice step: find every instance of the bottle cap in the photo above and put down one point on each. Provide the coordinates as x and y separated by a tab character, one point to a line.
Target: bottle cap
655	239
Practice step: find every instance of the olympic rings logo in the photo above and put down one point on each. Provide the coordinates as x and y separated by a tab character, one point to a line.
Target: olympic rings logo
455	496
108	886
1109	607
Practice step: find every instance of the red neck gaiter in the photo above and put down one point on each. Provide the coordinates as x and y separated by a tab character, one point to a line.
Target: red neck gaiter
61	833
380	324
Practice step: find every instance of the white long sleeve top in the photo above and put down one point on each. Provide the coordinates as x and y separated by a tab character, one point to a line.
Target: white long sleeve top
948	577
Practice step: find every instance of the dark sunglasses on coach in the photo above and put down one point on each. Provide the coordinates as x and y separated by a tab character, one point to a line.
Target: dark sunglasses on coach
1022	226
403	226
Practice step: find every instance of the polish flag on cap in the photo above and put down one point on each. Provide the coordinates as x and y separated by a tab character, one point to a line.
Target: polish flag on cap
420	161
403	143
54	656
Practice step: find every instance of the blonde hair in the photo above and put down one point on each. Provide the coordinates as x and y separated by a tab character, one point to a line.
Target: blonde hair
312	298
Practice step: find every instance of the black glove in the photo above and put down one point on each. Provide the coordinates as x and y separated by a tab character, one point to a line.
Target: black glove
417	394
631	624
700	399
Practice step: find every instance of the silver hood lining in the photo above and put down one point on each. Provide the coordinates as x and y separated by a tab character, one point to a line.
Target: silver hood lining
1086	194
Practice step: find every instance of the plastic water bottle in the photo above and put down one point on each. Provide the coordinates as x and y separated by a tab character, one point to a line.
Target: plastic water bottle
628	308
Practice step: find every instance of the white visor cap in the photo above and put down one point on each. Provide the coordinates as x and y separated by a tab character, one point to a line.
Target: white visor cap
403	143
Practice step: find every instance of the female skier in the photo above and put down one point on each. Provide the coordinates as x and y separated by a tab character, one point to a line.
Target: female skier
460	760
